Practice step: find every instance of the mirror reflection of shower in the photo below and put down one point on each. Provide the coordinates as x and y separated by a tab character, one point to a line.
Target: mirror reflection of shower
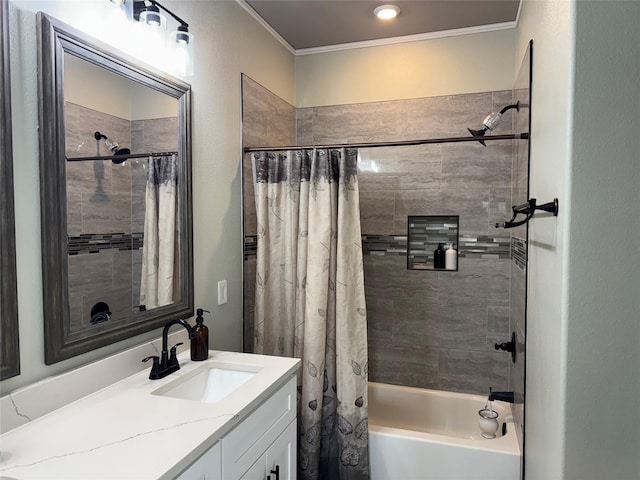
113	147
491	121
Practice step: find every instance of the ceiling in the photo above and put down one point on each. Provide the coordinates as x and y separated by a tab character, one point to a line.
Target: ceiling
317	24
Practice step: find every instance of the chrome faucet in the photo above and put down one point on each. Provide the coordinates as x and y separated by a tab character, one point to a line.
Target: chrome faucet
167	363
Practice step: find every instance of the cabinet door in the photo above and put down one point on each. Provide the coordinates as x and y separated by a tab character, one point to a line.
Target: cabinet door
207	467
250	439
279	461
257	471
282	454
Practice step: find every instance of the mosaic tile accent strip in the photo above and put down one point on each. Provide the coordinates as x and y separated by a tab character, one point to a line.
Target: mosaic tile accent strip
484	246
470	246
480	246
519	252
97	242
384	245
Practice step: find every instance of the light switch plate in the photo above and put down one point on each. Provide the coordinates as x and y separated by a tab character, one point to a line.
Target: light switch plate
222	292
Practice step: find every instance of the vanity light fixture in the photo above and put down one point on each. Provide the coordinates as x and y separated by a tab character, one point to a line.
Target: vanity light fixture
387	12
148	11
181	40
151	16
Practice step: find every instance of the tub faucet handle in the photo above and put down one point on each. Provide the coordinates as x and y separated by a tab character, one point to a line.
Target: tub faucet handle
508	397
508	346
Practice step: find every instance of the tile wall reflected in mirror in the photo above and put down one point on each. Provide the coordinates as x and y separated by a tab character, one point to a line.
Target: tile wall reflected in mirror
106	201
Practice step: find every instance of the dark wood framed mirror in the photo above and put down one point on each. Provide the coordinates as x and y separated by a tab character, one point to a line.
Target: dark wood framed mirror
10	356
115	180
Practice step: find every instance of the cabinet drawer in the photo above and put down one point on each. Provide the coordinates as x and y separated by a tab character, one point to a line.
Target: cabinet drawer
207	467
251	438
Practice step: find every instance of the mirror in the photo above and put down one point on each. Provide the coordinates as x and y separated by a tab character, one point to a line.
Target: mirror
115	180
10	361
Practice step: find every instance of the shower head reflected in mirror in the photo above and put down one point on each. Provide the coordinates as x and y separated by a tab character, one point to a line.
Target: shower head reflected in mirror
491	121
113	147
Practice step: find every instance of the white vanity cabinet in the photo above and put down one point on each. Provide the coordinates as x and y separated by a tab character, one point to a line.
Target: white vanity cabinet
266	439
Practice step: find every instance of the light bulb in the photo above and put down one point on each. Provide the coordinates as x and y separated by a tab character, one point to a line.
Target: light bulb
386	12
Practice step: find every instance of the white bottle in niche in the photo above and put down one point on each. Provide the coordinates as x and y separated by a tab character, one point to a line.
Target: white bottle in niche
451	258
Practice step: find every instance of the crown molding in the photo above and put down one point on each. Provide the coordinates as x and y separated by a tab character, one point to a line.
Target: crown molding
268	27
408	38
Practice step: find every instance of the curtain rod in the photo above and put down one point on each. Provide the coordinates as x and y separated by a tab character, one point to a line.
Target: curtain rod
119	157
511	136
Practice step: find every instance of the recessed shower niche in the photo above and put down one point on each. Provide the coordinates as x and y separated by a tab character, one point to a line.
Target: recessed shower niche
425	234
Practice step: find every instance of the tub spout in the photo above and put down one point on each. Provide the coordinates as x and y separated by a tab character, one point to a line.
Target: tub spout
502	396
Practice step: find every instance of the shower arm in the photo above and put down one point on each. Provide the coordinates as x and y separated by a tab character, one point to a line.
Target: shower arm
528	209
509	107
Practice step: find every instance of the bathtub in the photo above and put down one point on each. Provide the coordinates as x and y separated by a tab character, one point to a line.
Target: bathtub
417	434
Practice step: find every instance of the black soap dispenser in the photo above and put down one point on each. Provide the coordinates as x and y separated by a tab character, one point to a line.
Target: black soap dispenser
200	340
439	257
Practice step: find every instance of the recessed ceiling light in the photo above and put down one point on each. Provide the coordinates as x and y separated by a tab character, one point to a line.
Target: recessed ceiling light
387	12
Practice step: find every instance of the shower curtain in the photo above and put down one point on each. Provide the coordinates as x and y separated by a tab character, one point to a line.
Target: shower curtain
159	253
310	300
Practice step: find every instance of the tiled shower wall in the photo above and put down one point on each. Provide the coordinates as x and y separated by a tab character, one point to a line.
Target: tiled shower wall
105	210
427	329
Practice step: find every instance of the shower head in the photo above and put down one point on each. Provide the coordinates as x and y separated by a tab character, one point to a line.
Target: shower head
491	121
113	147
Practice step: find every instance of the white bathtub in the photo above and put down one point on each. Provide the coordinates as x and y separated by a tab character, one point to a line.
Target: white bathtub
418	434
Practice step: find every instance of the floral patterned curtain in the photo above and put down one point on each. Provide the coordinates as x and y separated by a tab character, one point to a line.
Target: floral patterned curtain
310	300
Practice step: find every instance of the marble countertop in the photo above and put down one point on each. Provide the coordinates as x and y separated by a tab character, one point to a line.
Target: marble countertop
125	431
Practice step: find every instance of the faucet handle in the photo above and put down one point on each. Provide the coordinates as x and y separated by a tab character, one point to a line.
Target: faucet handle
173	358
155	368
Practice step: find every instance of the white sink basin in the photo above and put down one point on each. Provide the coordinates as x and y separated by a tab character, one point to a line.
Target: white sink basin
210	383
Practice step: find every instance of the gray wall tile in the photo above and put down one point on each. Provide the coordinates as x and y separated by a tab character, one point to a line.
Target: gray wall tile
417	323
74	213
107	212
379	319
477	282
356	123
411	366
377	211
472	371
387	277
